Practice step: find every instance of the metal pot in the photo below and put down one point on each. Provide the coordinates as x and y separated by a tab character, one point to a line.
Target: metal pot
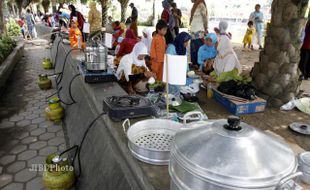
304	166
96	59
149	140
229	155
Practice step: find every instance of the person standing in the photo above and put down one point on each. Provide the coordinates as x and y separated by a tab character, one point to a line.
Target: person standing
199	25
21	23
257	17
248	37
76	15
94	18
134	18
177	18
304	64
30	23
158	49
168	17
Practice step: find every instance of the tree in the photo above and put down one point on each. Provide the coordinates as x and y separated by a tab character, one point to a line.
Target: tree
19	4
54	5
124	5
45	5
276	76
1	18
104	11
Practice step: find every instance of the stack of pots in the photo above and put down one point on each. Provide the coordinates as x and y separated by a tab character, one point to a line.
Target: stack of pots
231	155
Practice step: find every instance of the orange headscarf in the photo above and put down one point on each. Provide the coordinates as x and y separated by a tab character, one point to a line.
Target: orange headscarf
195	5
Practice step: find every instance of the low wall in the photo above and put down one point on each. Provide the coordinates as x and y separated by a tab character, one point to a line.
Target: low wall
106	161
8	65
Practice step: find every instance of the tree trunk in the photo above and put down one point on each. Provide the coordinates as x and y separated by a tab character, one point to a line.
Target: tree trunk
14	9
1	18
45	4
124	5
276	76
154	17
104	10
54	6
19	4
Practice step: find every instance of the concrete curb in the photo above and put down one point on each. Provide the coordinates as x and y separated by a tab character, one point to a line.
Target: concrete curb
8	65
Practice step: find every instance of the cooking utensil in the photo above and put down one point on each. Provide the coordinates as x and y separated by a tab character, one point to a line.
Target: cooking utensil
149	140
302	128
304	166
230	155
122	107
174	100
96	59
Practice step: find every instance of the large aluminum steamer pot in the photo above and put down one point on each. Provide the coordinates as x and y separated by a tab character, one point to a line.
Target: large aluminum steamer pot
230	155
149	140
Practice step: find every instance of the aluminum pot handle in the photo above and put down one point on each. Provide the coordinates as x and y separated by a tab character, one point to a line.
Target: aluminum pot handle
189	114
284	180
126	122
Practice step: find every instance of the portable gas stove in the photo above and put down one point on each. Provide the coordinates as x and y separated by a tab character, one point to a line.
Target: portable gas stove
96	77
123	107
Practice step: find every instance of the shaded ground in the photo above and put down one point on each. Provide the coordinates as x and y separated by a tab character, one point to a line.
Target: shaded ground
26	137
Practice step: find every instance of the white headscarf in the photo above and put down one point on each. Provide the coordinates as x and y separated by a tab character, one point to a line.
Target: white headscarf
223	25
132	58
139	49
147	41
226	59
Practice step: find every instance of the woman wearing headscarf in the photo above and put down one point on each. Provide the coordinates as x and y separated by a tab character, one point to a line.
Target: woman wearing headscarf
207	53
168	17
147	38
178	47
79	17
133	69
199	25
226	59
94	18
128	43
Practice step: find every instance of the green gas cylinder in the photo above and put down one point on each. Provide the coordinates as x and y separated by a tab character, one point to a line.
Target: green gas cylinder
54	111
47	63
58	173
44	82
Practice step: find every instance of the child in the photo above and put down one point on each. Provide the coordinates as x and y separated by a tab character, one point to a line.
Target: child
119	41
207	53
118	31
158	49
247	40
74	34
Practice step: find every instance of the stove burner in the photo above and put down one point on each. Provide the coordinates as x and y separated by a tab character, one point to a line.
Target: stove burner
125	101
123	107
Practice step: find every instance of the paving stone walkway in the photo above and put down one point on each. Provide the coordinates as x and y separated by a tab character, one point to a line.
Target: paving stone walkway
26	136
